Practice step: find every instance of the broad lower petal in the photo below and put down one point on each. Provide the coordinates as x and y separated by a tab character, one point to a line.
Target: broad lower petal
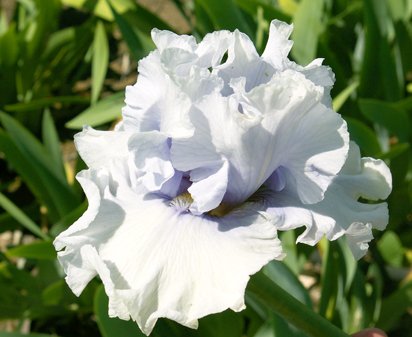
156	260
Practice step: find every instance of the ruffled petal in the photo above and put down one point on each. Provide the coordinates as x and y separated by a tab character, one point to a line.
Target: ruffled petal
278	45
97	147
276	54
151	154
165	39
162	101
299	133
156	260
204	197
340	212
213	47
156	102
243	61
279	124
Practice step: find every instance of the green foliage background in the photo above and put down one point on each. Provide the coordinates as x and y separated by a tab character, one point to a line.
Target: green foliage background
64	63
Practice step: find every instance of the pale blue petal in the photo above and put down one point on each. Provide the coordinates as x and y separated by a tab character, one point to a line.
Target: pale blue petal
281	123
204	197
151	154
157	262
278	45
340	212
98	147
243	61
213	47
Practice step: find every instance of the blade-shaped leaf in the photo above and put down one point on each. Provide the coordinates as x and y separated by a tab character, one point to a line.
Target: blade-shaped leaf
102	112
29	158
307	28
363	136
51	142
37	250
225	15
100	61
388	116
19	215
132	39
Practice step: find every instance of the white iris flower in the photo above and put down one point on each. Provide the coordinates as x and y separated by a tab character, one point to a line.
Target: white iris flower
219	148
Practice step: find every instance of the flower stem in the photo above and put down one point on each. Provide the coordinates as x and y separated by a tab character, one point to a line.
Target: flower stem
295	312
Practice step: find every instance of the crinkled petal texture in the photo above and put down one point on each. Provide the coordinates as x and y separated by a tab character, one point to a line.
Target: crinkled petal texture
175	225
340	212
156	261
280	124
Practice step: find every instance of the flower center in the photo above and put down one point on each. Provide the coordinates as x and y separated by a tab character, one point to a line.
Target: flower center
183	201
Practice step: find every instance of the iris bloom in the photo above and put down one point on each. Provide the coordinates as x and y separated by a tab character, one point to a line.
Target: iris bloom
219	149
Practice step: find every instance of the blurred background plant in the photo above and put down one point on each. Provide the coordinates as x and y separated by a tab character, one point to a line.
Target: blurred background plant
65	63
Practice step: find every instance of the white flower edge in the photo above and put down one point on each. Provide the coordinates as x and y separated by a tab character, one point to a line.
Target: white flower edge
340	213
155	261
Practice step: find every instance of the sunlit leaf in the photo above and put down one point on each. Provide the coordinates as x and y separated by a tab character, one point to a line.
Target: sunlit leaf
100	61
390	246
106	110
51	142
307	28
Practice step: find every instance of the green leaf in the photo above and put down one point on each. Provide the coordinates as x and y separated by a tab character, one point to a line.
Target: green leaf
100	8
395	151
388	116
52	143
131	38
41	103
29	145
359	316
59	294
276	326
43	250
224	324
68	219
363	136
225	15
394	306
100	61
343	96
106	110
379	73
279	273
333	280
404	41
22	218
112	327
9	50
307	28
391	249
294	311
145	20
29	158
17	334
269	11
